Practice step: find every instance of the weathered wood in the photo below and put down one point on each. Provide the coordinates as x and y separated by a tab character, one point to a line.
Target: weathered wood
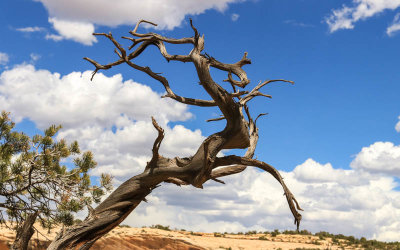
24	233
204	165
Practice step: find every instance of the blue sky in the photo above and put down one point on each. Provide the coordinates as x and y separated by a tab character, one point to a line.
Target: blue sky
336	124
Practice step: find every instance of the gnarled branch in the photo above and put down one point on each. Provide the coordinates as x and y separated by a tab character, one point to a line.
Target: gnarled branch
156	145
240	132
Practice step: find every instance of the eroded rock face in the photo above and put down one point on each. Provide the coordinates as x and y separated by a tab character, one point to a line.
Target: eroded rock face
123	243
144	242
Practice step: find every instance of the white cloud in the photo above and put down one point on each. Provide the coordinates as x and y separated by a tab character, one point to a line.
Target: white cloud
363	201
313	172
369	206
31	29
54	37
345	17
168	14
73	99
340	19
126	152
380	157
234	17
109	116
81	32
3	58
395	26
398	126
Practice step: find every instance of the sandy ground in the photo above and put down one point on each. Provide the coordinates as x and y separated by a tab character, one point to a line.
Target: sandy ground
122	238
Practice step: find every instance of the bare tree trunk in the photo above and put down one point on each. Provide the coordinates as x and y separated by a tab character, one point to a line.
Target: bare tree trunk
24	233
204	165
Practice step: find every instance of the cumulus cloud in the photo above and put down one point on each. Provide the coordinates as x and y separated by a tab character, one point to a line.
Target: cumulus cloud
363	201
126	151
109	116
168	14
73	99
81	32
313	172
380	157
345	17
3	58
368	206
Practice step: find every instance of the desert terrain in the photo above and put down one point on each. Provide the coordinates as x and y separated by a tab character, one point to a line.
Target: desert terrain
159	237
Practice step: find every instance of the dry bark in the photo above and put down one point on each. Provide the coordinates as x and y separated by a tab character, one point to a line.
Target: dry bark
24	233
240	132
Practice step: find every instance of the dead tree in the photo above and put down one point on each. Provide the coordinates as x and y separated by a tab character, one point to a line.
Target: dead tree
240	132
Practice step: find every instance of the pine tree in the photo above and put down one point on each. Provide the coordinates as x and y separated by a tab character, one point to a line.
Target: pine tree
42	179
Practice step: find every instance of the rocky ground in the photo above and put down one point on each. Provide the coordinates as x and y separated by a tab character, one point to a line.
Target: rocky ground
124	237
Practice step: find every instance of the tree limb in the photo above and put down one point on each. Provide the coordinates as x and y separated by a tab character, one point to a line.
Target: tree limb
255	91
156	145
195	170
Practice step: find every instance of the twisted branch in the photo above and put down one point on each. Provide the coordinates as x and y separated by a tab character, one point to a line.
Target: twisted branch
197	169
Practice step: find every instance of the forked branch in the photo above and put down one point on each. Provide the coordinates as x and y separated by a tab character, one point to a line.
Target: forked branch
240	131
255	91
